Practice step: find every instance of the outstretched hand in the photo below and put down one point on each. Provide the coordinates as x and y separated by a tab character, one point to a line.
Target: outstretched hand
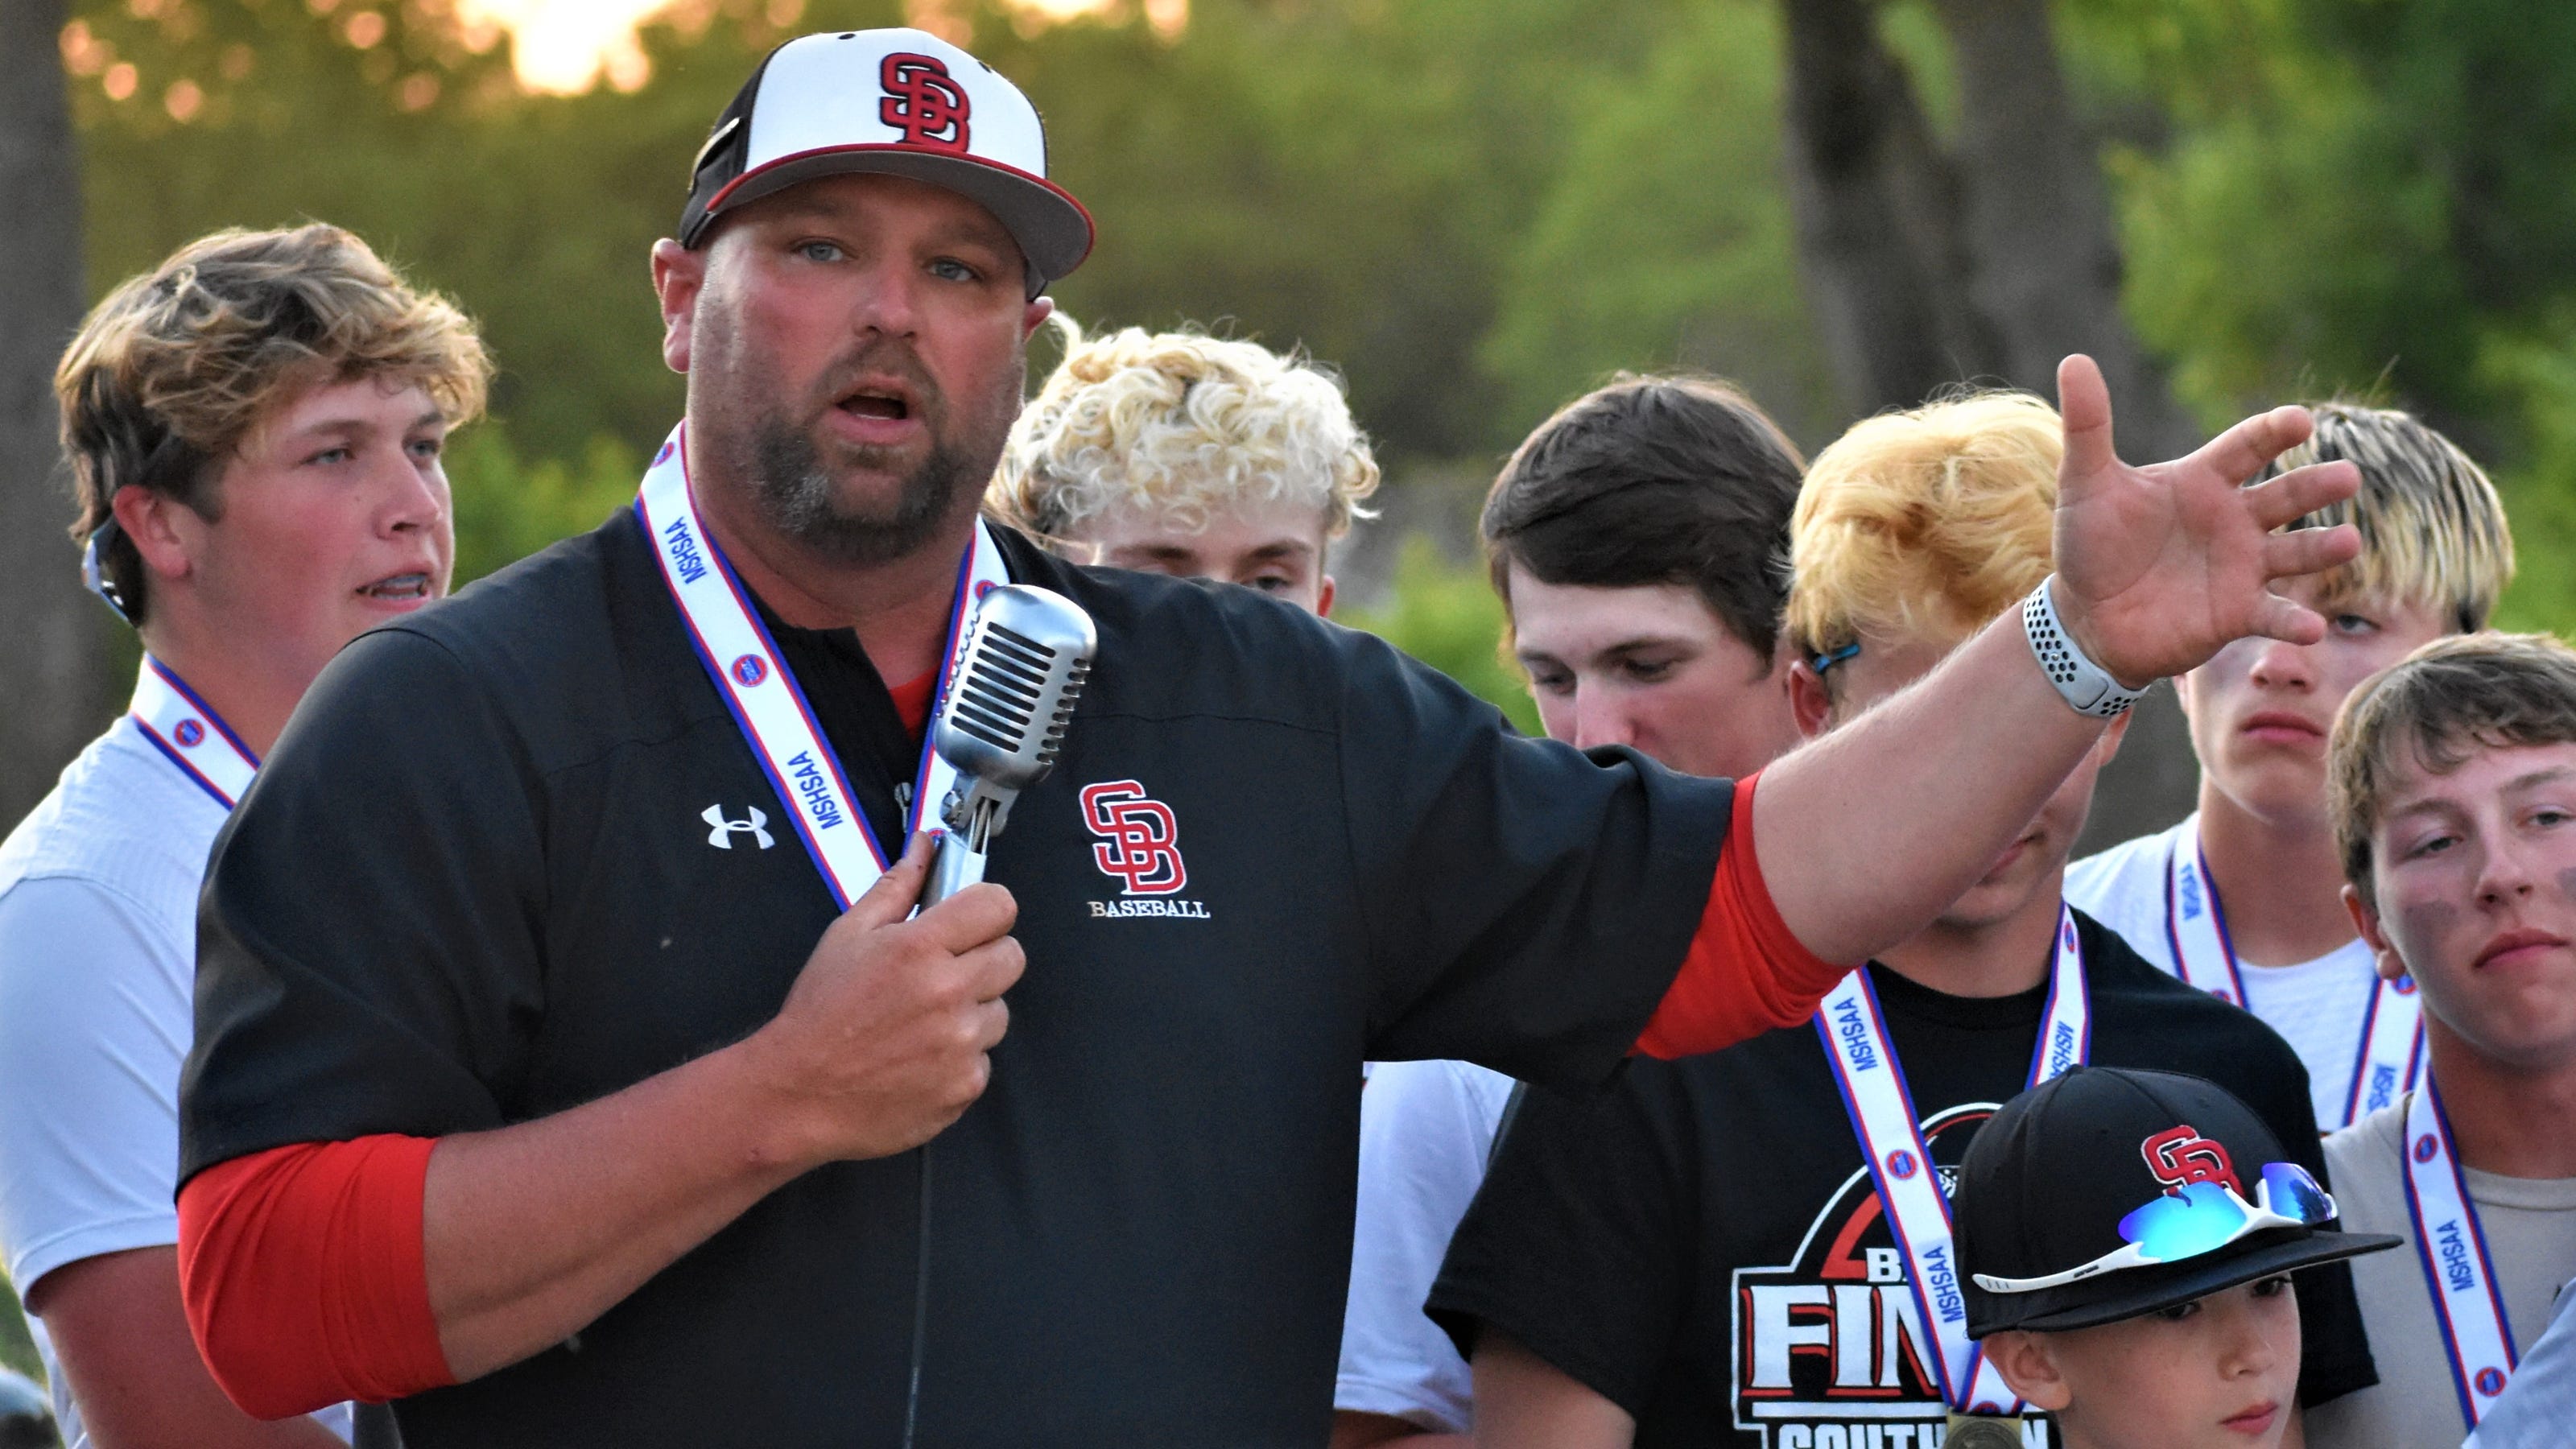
2159	567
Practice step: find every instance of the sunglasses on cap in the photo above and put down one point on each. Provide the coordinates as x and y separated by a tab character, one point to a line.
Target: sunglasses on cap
2201	1217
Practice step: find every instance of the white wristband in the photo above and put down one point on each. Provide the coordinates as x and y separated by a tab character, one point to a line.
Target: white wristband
2087	686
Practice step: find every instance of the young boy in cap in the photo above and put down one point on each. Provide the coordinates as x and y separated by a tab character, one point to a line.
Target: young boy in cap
2242	898
2453	789
1750	1248
1178	453
1636	538
254	430
2129	1240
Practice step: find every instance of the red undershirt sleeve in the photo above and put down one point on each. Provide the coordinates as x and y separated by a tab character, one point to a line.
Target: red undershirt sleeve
1745	973
304	1278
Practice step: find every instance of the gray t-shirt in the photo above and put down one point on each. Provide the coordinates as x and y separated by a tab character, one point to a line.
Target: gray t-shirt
2530	1227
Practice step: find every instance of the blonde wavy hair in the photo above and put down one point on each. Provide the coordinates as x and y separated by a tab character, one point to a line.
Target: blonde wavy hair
1179	426
1924	524
177	366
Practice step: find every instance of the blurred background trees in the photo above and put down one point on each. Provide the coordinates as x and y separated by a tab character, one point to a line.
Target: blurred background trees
1475	209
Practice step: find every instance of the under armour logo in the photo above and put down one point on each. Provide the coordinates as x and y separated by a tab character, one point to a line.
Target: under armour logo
922	102
721	836
1140	842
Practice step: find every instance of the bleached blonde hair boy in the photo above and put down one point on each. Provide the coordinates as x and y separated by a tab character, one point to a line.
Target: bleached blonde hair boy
2432	528
1923	524
1178	426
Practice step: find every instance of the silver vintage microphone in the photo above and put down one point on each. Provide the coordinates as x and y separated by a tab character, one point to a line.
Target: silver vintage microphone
1003	722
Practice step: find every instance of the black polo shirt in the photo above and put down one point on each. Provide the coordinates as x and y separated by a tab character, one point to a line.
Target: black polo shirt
499	866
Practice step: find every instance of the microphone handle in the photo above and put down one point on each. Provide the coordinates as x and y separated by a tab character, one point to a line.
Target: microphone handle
953	869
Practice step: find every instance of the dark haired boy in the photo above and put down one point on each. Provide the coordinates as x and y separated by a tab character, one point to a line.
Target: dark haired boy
1637	539
2130	1240
2452	786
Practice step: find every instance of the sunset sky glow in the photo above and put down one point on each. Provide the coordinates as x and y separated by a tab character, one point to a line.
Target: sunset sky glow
566	45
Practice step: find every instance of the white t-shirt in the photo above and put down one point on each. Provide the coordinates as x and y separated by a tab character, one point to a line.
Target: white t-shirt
2530	1230
98	951
2317	1006
1426	1130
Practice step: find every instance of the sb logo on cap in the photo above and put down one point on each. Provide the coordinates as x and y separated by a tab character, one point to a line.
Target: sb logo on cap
2179	1156
923	102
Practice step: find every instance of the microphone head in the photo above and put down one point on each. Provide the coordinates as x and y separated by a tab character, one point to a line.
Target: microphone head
1025	662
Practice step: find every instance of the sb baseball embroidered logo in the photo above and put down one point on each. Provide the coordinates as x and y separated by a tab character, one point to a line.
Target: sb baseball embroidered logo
923	102
1139	846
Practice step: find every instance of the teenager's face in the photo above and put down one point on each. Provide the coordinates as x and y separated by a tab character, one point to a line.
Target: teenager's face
853	346
1651	667
1277	548
2260	709
2026	869
2475	875
2216	1373
335	518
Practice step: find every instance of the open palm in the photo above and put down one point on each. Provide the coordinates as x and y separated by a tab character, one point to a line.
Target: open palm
2159	567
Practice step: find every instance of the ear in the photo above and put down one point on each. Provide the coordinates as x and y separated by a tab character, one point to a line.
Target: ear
679	275
2182	687
152	521
1810	703
2365	922
2028	1363
1034	316
1324	599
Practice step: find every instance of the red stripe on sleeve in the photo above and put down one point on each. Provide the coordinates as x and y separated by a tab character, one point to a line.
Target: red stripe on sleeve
304	1278
1745	973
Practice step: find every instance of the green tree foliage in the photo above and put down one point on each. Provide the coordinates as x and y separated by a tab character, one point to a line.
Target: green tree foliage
1446	615
2364	198
1475	208
1665	238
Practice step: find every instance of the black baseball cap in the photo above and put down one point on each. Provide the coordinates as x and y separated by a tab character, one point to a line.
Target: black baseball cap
2050	1180
897	103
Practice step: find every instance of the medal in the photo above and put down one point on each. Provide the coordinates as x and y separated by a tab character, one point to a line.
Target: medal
1981	1431
194	737
2468	1308
753	680
2390	1056
1900	1165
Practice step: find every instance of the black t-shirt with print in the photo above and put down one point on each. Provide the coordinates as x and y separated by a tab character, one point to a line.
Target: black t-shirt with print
1702	1244
504	861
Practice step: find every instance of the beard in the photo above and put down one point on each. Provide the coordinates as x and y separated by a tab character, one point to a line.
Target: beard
798	497
798	479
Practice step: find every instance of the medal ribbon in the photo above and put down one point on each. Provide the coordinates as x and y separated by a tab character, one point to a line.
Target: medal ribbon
1882	1114
188	730
2391	1059
2390	1056
753	680
2454	1253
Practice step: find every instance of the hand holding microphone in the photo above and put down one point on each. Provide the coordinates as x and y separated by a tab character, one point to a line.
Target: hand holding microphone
881	1043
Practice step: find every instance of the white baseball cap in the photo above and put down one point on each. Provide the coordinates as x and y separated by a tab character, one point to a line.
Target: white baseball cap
896	103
